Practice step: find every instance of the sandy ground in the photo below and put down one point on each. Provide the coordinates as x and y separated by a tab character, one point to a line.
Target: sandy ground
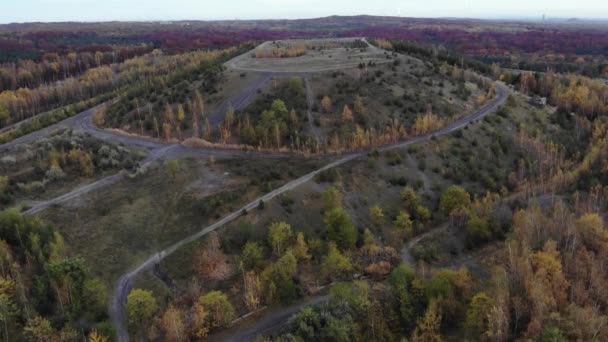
312	61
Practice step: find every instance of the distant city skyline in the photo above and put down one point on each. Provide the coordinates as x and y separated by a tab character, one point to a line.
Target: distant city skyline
144	10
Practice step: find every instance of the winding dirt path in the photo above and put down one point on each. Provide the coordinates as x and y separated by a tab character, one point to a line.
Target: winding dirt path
157	149
273	320
124	284
406	251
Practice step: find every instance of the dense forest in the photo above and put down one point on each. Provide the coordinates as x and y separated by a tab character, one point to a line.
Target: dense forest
53	67
18	105
47	292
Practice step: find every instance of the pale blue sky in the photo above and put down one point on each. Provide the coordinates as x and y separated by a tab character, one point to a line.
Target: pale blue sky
103	10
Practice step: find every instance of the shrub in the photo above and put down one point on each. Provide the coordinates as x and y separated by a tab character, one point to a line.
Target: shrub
54	173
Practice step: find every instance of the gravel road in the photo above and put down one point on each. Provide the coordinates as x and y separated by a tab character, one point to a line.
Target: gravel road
124	284
157	149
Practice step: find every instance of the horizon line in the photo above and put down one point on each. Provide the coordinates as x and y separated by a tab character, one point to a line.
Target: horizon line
491	18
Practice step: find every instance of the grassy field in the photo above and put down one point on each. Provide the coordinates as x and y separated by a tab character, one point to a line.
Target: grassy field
119	226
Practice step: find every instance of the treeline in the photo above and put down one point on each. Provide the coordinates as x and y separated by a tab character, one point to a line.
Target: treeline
52	67
589	66
571	93
496	42
46	292
24	103
22	43
496	39
425	51
282	52
549	289
170	105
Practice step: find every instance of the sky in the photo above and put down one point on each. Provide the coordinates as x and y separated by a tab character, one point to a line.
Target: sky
105	10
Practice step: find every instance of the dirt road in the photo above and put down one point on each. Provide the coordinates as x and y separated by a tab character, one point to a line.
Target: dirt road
274	320
157	149
406	251
307	64
244	98
123	286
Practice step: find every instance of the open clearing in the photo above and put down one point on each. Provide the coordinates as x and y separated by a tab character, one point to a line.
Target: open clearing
321	55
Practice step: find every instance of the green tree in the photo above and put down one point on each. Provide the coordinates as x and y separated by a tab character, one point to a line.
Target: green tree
12	226
340	228
252	256
278	279
8	311
410	293
218	306
141	306
173	168
4	114
300	248
331	198
376	215
306	324
335	264
38	329
410	198
279	109
95	296
352	297
428	327
478	314
478	230
279	235
422	214
404	223
454	197
296	85
68	277
552	334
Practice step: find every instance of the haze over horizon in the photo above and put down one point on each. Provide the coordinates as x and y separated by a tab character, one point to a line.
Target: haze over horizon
144	10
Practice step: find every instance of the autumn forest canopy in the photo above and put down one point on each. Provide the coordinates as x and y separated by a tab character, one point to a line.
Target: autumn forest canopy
334	179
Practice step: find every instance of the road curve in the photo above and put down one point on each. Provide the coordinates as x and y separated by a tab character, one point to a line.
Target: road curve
274	320
83	121
270	322
124	284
